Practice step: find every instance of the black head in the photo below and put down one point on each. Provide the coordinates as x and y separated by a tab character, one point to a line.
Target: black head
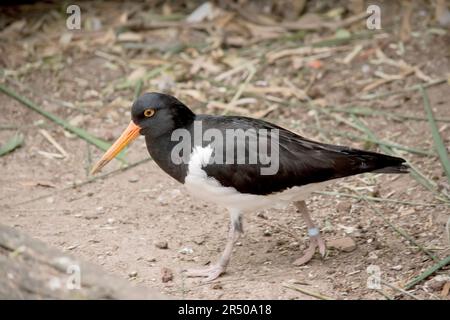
157	114
153	115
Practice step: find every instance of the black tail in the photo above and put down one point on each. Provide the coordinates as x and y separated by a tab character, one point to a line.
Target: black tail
349	161
377	162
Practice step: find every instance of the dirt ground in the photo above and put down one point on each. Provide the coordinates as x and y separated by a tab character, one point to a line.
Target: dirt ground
89	78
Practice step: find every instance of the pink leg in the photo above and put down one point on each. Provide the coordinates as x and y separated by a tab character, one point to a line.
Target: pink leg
315	241
214	271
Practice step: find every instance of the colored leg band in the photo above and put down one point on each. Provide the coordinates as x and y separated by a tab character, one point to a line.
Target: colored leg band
312	232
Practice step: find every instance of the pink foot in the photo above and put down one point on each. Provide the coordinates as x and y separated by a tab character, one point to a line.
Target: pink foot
315	242
210	273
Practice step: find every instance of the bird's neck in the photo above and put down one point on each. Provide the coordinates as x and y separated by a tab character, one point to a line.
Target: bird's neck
160	150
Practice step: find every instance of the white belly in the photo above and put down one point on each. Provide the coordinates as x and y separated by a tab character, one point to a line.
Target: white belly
209	189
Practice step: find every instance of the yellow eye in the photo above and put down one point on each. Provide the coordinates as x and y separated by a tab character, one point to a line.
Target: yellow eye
149	112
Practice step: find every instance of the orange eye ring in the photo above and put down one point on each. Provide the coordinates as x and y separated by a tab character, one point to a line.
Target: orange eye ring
149	113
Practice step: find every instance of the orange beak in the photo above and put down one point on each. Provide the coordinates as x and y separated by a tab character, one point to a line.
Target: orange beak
130	133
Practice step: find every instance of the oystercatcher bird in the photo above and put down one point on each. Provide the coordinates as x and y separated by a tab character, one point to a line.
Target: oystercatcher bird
242	164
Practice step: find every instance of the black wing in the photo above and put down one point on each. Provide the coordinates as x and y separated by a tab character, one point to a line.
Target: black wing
301	161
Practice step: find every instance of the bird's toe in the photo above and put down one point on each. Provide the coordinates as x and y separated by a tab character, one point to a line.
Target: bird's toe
309	253
322	247
210	273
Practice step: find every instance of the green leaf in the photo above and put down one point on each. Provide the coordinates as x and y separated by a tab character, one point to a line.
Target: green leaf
438	142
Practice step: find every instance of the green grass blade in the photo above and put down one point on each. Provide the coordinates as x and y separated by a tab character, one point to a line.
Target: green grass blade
438	142
369	112
14	142
428	272
138	89
412	88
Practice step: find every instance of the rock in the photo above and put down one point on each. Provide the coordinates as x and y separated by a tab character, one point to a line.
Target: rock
281	242
267	233
133	179
397	267
186	250
345	244
437	282
162	245
217	286
90	216
166	275
199	240
372	256
294	245
261	215
344	207
133	274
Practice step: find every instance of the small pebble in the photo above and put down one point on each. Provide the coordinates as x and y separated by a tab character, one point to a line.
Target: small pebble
133	274
345	244
294	245
166	275
133	179
199	241
217	286
437	282
162	245
261	215
186	250
344	206
372	256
